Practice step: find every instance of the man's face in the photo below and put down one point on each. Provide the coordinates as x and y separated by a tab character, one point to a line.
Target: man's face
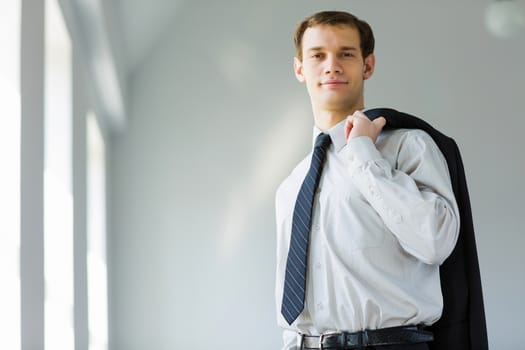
333	67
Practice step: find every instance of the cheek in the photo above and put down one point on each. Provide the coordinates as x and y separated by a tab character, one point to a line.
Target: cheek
311	87
310	80
310	71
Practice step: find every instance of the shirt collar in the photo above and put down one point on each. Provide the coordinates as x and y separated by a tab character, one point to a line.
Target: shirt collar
336	132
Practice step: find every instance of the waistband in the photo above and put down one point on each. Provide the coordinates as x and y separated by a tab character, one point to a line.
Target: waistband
376	337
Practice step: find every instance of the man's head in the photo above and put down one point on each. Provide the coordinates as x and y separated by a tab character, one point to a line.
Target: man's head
335	18
334	58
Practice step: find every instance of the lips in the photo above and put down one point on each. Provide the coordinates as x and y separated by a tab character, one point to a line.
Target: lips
334	83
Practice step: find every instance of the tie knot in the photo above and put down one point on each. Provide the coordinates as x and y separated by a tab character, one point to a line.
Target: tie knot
323	141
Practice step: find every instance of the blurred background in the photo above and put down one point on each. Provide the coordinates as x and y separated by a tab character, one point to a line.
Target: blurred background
142	143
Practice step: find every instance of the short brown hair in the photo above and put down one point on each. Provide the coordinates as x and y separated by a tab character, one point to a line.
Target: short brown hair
334	18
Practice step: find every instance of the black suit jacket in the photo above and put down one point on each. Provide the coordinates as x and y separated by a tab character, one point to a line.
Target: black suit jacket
462	325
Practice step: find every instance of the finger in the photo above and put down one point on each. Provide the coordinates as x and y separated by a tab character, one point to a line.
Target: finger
380	122
348	127
359	114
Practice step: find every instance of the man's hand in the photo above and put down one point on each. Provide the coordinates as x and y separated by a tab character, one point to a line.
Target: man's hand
358	124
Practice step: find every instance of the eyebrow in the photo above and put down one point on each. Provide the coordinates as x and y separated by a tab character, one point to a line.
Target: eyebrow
342	48
349	48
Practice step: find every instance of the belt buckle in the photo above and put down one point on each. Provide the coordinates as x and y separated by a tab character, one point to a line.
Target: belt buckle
321	339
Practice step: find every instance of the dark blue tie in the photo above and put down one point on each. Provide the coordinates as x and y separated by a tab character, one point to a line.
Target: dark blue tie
295	276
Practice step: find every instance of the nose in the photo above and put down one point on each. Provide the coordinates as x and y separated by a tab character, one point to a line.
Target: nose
333	66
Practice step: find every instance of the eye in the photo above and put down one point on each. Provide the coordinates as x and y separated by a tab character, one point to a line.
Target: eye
347	55
317	56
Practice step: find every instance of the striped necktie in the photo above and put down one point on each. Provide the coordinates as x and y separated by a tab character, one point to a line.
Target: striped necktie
295	276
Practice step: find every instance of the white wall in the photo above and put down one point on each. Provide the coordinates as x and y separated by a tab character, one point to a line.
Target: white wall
217	120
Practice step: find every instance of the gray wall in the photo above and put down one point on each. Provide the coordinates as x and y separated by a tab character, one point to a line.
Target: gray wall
217	120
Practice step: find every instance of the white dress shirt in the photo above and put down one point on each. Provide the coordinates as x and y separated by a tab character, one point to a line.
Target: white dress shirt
384	219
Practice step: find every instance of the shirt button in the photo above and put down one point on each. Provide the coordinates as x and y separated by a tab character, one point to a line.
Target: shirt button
319	306
374	193
318	265
396	216
316	227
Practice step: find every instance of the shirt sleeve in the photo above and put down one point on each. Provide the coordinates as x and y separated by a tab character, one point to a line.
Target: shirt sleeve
413	197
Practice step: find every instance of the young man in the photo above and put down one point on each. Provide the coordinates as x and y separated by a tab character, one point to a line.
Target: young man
365	220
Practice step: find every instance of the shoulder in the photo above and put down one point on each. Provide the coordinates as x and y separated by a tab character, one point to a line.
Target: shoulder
405	135
407	139
412	140
296	175
410	147
287	191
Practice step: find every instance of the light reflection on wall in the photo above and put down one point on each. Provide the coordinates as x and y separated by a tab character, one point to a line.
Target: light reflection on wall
58	200
238	63
10	176
276	151
96	241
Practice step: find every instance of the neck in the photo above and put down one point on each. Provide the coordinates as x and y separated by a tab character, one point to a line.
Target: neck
325	119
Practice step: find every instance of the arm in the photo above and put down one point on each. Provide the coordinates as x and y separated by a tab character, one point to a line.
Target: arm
414	199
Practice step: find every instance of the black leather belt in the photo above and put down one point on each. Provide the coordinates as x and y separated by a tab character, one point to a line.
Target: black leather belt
377	337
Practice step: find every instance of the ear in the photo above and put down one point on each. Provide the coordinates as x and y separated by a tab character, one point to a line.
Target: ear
298	69
369	65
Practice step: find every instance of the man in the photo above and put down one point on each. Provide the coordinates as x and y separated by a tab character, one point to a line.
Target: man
360	238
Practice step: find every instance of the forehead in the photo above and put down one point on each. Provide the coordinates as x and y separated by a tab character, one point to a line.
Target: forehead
330	37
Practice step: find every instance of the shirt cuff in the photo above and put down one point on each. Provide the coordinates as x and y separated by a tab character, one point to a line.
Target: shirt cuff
361	150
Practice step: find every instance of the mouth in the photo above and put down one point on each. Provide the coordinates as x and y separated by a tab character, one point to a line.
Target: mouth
333	83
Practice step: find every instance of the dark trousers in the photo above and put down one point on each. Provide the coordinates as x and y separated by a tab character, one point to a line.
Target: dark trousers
420	346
